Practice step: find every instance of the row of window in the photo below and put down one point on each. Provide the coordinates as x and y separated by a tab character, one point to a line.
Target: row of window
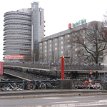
56	40
51	54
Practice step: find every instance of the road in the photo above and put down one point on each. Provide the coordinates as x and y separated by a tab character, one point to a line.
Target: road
66	101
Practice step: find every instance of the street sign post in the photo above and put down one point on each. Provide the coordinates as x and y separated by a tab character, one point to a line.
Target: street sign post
62	68
1	68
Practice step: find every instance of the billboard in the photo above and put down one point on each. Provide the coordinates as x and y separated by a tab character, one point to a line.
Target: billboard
14	56
1	68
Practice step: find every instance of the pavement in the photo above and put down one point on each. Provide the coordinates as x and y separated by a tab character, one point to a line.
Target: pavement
50	93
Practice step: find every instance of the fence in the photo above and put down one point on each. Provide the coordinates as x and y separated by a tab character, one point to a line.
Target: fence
57	67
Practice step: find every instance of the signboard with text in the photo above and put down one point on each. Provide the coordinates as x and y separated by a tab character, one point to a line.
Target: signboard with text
14	56
78	23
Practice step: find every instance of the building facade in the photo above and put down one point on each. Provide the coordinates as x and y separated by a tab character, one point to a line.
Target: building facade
23	29
51	48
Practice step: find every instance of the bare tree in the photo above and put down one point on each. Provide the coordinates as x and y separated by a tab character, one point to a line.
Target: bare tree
93	41
76	50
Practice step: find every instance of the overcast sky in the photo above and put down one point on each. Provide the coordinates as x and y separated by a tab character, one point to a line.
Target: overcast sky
57	13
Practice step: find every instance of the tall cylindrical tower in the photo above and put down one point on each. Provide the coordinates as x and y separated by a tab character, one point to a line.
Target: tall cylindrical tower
21	32
17	34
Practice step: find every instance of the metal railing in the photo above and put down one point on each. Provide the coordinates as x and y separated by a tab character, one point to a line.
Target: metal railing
57	67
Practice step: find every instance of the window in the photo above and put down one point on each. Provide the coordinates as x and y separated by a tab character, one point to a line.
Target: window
68	40
61	52
68	46
61	47
61	37
55	44
45	50
50	45
61	42
45	46
55	48
68	36
50	49
50	41
45	42
75	49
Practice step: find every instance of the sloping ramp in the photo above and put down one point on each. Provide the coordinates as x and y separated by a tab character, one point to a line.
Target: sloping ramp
20	75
